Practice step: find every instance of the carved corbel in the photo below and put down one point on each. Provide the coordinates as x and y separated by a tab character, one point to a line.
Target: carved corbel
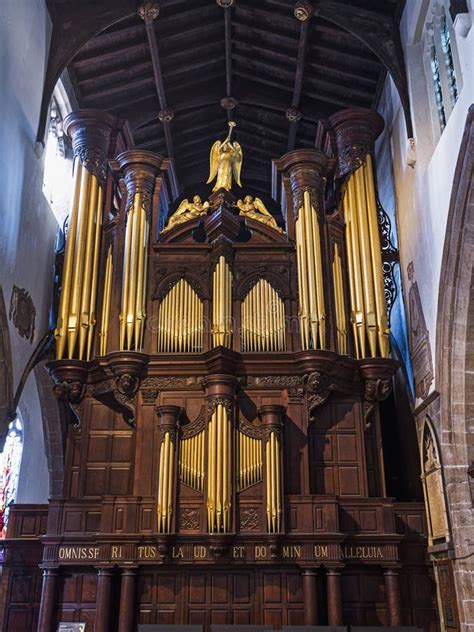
70	377
376	376
318	387
374	391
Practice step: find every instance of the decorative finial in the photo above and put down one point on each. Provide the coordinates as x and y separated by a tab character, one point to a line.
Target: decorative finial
225	4
303	10
149	10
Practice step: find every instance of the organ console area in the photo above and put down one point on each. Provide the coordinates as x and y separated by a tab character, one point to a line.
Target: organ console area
222	380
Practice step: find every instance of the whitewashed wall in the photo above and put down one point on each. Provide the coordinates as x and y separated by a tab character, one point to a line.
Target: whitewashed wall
27	225
423	193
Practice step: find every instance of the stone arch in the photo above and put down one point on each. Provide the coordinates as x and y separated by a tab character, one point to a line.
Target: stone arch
6	375
455	365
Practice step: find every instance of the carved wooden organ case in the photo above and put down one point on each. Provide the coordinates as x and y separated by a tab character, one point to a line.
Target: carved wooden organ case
224	392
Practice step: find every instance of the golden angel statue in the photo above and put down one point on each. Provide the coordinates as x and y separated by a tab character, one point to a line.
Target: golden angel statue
225	162
187	210
256	209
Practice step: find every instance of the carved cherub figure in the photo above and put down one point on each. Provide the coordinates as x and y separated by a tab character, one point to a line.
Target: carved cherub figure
187	210
256	209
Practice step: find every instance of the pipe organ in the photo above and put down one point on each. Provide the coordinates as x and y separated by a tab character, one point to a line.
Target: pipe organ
263	319
227	440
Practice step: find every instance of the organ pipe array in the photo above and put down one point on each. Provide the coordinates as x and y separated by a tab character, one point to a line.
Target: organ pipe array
165	484
222	304
133	304
219	463
107	294
367	294
273	482
339	301
180	320
76	319
250	460
263	319
191	462
310	277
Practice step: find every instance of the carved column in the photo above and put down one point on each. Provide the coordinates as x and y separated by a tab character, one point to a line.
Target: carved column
48	591
356	131
220	393
272	427
308	170
334	596
310	597
392	591
103	607
169	424
139	168
90	132
127	600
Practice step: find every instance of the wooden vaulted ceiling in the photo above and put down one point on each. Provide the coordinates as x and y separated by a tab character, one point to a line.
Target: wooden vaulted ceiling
196	53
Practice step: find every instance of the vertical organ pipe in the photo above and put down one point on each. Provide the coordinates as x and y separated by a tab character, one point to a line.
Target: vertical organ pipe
368	304
250	460
356	131
104	323
272	424
339	302
90	132
222	304
263	326
180	320
168	416
219	488
139	169
310	277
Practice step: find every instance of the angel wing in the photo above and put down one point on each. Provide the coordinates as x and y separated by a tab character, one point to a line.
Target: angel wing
237	162
183	207
240	204
214	160
260	206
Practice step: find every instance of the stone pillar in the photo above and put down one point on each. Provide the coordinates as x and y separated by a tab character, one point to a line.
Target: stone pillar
392	592
103	603
310	597
308	170
334	596
46	613
169	423
127	600
139	169
271	416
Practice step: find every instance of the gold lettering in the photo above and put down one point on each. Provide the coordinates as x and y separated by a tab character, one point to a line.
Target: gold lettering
116	552
238	552
292	551
147	552
360	552
379	552
321	551
260	552
199	552
178	554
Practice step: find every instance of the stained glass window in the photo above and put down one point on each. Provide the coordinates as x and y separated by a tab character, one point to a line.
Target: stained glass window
10	460
437	86
449	61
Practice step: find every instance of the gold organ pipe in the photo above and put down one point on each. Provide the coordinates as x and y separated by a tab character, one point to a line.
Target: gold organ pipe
104	328
160	487
319	279
95	273
169	512
140	277
220	447
339	301
377	265
262	319
268	484
164	480
358	308
366	260
304	280
77	276
132	286
311	268
144	283
87	263
180	320
350	266
126	276
68	263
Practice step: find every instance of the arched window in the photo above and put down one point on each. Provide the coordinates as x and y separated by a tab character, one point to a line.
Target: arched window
433	486
442	65
57	162
10	460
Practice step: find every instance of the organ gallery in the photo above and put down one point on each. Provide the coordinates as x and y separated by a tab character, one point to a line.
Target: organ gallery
223	381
